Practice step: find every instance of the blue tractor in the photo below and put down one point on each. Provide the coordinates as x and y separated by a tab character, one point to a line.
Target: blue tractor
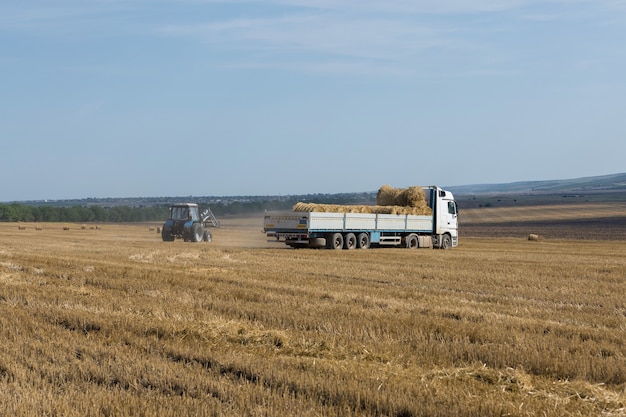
185	221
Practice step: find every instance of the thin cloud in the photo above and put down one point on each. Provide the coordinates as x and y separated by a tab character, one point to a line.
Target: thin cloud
359	38
419	7
364	44
392	37
63	18
404	35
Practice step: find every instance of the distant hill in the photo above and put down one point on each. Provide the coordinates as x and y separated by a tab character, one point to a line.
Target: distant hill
600	184
600	188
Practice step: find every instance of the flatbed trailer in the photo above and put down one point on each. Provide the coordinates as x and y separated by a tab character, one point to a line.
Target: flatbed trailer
363	230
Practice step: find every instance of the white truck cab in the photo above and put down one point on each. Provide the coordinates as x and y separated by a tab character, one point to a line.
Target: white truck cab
445	212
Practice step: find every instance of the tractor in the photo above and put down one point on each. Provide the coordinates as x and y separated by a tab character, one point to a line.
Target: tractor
185	221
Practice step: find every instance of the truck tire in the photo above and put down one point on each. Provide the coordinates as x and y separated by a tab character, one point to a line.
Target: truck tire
363	241
166	234
446	242
349	241
197	232
207	236
412	242
334	241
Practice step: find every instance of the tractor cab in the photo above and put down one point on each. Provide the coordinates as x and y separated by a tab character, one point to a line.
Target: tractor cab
184	212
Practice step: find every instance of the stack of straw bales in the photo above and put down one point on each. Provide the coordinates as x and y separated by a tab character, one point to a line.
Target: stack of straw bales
411	198
330	208
389	200
336	208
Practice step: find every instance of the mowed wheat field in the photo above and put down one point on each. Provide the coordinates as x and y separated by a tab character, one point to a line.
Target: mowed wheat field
111	321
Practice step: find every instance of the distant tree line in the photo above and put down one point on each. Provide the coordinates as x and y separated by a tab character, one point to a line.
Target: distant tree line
142	212
16	212
23	213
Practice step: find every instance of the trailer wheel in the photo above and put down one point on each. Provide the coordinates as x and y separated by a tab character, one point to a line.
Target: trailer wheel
412	241
446	242
334	241
363	241
349	241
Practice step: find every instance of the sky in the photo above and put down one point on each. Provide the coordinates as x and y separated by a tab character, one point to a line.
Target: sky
144	98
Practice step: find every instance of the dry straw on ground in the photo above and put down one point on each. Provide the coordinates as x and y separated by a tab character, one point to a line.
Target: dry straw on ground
117	322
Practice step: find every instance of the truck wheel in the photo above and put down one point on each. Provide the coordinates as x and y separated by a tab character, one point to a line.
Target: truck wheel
166	234
363	241
207	236
197	232
349	241
412	241
446	242
334	241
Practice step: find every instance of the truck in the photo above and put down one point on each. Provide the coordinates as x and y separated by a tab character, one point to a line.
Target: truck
347	230
185	221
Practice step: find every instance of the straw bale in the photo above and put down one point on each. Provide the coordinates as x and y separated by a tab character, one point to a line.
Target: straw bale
409	197
387	195
414	197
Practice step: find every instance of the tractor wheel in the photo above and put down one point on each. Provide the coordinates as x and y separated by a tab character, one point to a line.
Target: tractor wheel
197	232
166	234
207	236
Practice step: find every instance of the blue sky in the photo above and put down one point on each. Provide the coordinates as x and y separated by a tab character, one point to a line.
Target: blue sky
128	98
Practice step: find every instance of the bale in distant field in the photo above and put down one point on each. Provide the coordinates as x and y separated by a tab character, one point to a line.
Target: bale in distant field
533	237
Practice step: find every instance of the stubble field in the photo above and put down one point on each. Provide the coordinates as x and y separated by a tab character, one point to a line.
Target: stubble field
113	321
